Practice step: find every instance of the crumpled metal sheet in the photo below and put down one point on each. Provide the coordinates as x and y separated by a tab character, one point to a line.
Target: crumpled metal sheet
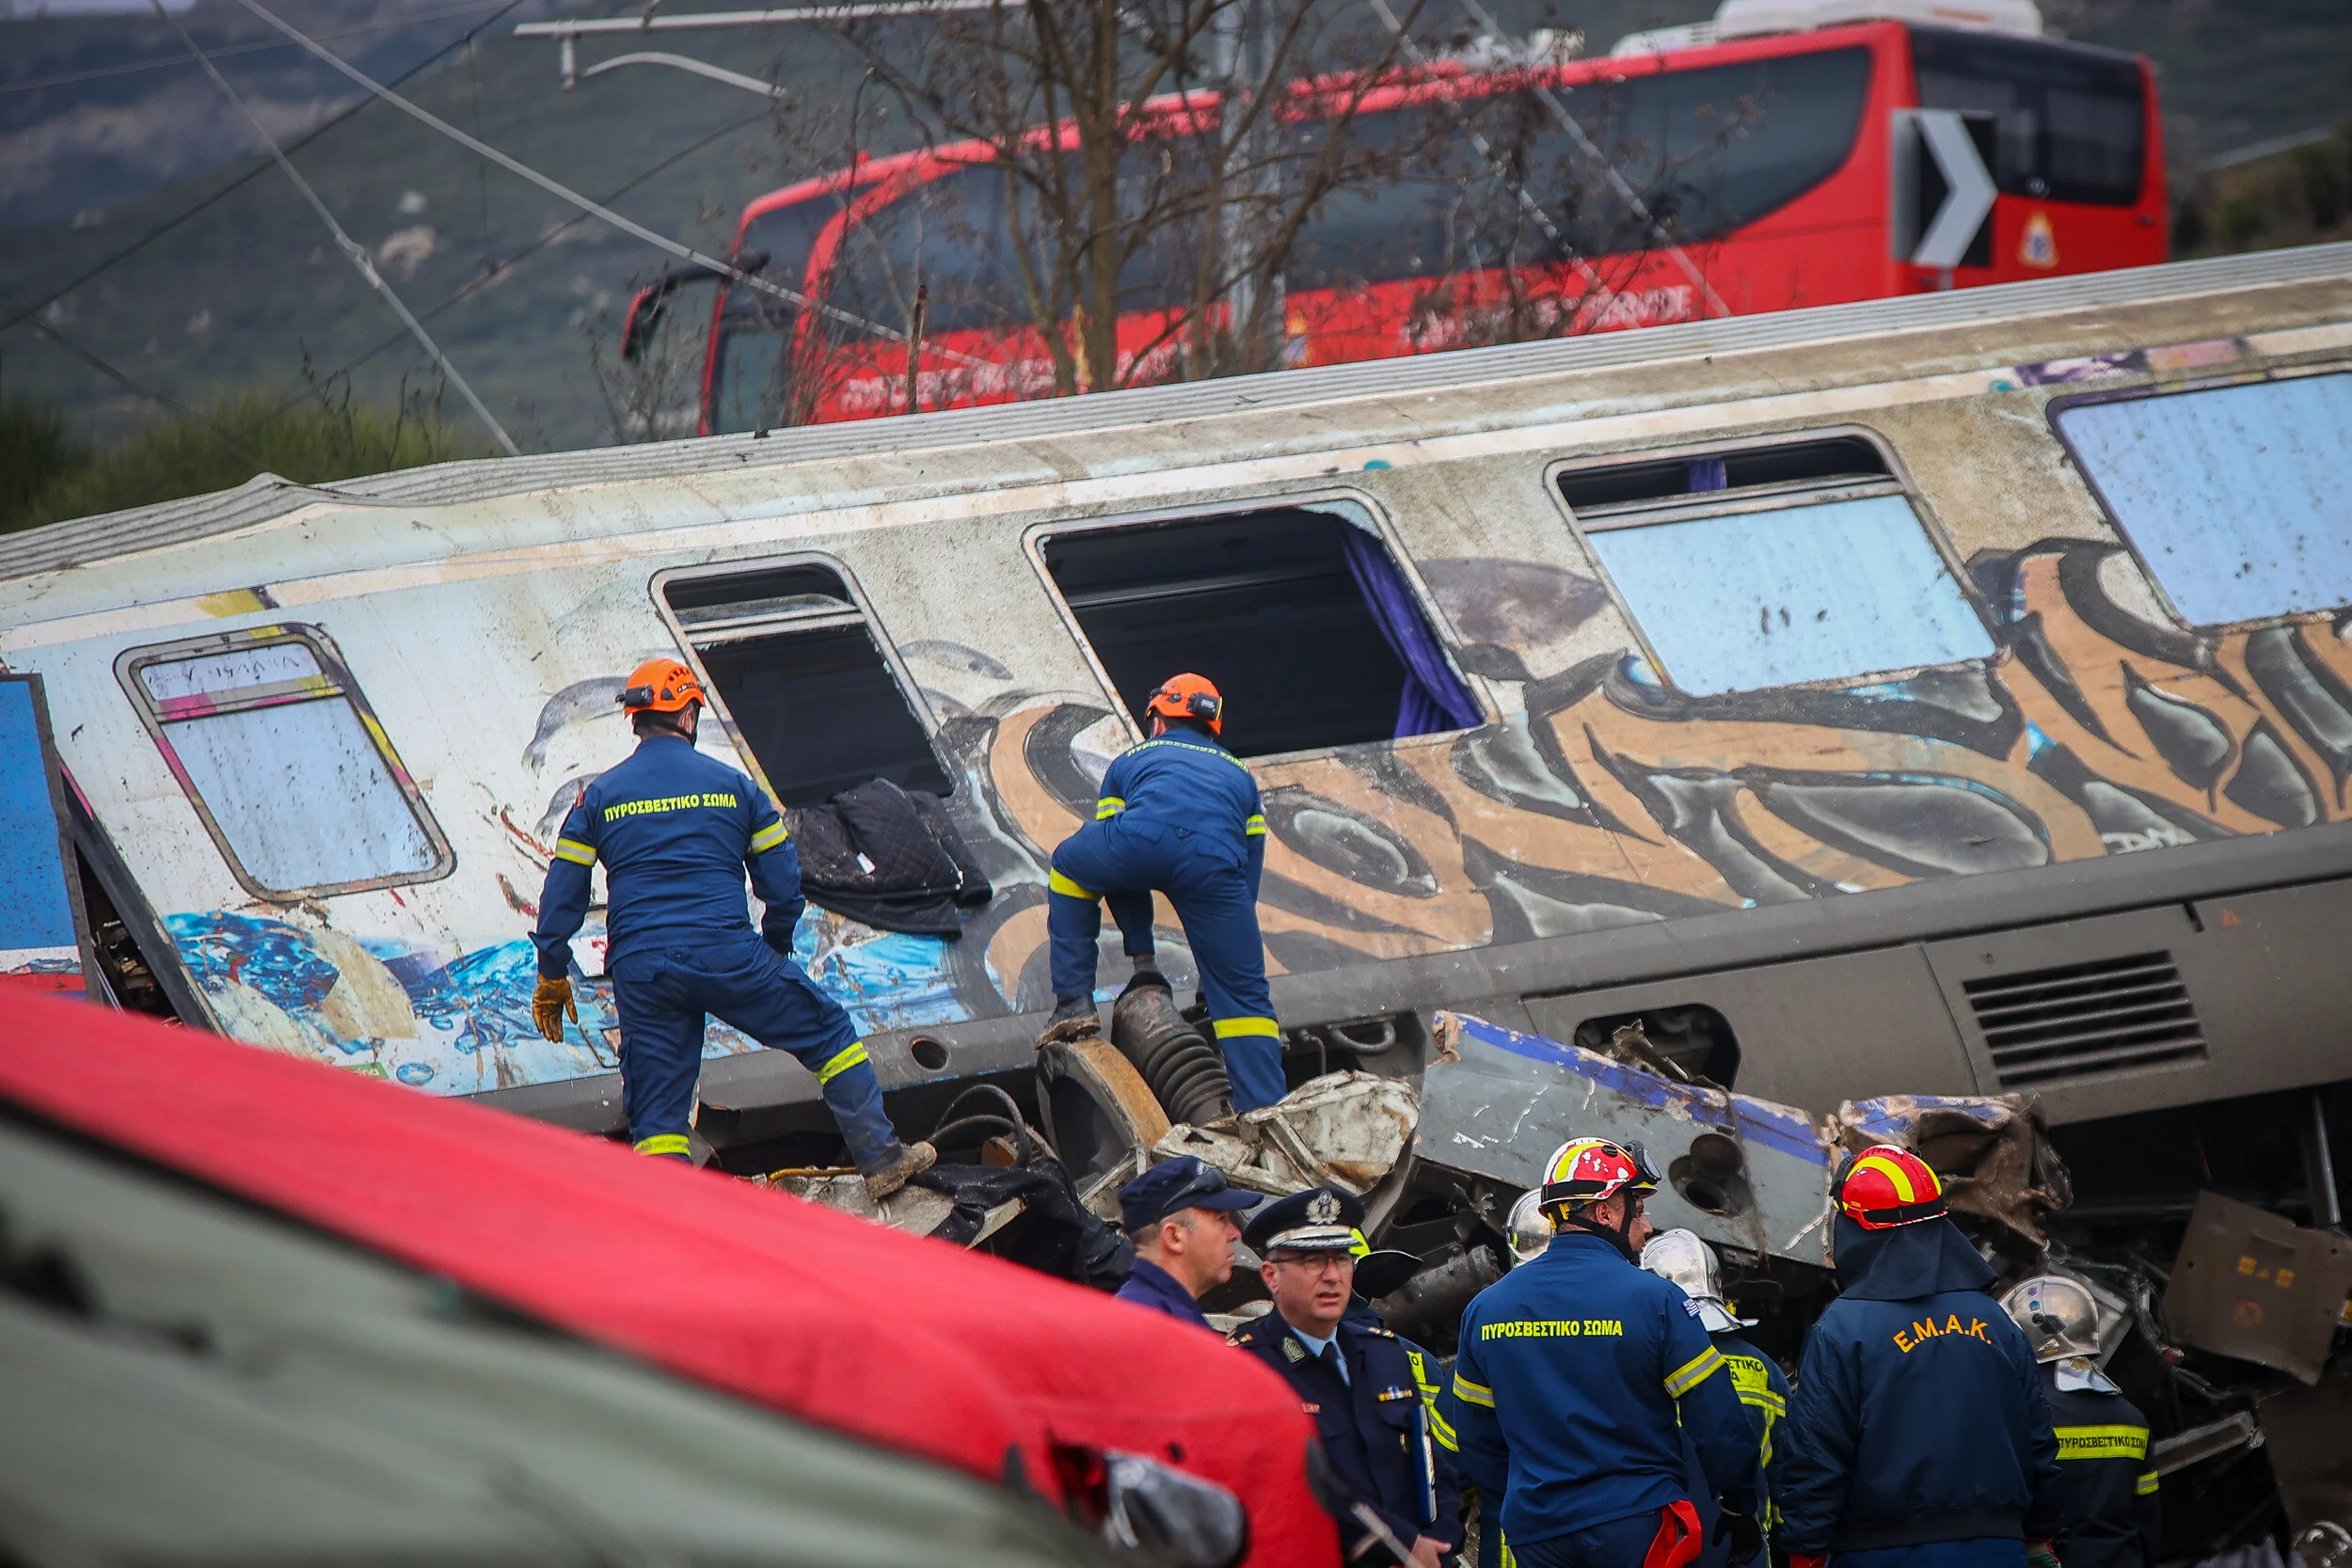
1761	1169
1344	1129
1992	1151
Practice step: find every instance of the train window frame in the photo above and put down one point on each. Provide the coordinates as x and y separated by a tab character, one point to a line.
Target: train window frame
2057	406
684	632
1335	501
1895	481
333	682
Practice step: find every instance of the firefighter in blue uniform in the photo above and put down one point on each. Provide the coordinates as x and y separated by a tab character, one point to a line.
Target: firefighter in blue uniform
1687	1264
2113	1519
1358	1380
1578	1377
1179	815
1920	1436
677	831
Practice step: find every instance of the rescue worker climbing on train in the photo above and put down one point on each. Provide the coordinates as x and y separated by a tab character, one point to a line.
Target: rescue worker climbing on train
1179	815
677	831
1919	1435
2113	1519
1689	1264
1577	1379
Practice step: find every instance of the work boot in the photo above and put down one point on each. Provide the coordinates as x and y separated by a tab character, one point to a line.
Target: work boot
909	1162
1074	1018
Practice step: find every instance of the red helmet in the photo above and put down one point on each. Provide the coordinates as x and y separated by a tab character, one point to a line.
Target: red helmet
661	685
1188	697
1586	1170
1886	1186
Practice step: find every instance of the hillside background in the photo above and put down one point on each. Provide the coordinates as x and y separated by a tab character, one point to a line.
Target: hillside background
108	136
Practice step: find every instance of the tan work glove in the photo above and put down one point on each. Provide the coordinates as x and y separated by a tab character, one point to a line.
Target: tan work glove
550	1004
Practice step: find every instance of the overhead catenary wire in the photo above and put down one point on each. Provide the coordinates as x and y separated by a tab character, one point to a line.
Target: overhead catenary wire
595	209
231	50
353	250
116	258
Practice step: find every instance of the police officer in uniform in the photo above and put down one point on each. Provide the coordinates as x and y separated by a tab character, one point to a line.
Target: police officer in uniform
1179	814
1180	1216
1355	1378
2113	1519
1578	1378
1690	1265
1919	1435
677	831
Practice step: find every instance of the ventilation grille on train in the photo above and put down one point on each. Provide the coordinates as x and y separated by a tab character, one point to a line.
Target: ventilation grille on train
2100	1017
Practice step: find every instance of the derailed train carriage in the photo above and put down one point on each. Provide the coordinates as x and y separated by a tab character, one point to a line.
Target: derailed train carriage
1949	697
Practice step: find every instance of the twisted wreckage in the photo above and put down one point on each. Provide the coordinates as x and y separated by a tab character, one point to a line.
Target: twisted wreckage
1882	714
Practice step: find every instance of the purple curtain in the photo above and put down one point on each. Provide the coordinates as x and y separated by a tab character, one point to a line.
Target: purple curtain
1435	699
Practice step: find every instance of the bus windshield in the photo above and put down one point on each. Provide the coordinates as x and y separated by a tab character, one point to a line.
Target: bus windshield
751	360
2071	123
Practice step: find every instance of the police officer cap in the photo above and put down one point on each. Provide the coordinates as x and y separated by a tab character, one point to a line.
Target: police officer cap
1174	1186
1321	1219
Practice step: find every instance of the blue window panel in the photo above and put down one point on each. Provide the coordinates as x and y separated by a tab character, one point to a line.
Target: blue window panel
2235	496
1818	592
35	919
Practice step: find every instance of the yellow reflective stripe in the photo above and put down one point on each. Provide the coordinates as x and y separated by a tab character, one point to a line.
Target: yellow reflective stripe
1442	1430
2146	1486
663	1143
1056	882
1232	1028
1693	1373
2102	1442
768	837
1109	805
1474	1393
573	851
1250	826
1766	1400
852	1057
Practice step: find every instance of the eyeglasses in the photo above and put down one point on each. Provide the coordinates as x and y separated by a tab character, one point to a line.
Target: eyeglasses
1316	1262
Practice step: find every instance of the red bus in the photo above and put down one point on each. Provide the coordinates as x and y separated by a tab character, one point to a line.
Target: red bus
1762	174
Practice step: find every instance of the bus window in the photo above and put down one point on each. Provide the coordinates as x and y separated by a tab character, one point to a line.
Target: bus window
946	234
2068	121
2234	497
1300	617
1706	150
753	354
805	684
1774	567
286	766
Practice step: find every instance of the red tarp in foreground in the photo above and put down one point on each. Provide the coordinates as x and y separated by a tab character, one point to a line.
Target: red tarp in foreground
895	1338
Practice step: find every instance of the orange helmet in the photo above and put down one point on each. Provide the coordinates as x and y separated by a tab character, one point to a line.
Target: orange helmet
661	685
1587	1170
1886	1186
1189	697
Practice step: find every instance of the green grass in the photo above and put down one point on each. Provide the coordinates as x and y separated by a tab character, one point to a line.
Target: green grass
48	478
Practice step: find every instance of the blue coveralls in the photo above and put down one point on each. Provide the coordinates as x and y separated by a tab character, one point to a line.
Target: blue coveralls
1578	1379
1378	1435
677	831
2113	1519
1179	815
1920	1437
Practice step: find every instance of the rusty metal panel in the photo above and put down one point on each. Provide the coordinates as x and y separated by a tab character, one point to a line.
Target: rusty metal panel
2252	1285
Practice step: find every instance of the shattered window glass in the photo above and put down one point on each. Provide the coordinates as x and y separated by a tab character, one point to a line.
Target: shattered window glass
295	778
2234	497
1819	589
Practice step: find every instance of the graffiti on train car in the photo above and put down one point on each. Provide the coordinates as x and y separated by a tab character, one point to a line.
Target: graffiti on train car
2099	728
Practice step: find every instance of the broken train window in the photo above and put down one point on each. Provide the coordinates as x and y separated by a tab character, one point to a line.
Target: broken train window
285	762
1802	561
2233	496
1301	615
805	682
